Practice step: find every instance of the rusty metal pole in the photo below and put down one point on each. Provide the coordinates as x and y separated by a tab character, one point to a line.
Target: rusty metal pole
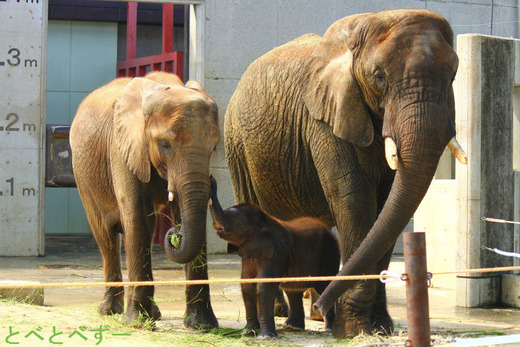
416	289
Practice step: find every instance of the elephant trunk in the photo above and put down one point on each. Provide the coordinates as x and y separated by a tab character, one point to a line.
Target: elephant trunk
193	196
216	210
418	155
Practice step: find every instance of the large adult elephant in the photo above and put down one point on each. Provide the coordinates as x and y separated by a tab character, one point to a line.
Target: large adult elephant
137	144
307	129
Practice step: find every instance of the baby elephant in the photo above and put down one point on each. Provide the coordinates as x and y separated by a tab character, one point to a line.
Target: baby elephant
270	247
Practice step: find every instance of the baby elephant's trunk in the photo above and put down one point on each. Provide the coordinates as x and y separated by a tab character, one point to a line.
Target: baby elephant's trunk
214	205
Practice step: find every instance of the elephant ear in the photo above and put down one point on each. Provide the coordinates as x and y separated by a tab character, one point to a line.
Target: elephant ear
266	244
332	94
129	125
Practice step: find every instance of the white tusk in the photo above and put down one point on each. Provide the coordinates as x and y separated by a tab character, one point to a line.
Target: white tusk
391	153
170	196
457	151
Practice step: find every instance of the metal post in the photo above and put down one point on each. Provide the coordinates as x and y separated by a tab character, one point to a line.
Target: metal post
416	289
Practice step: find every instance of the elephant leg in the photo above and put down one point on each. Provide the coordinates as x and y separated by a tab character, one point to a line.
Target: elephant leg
265	307
109	245
281	309
199	313
381	320
138	249
353	311
296	320
352	196
114	297
249	297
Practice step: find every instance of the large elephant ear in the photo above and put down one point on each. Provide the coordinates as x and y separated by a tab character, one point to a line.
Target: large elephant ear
332	94
129	125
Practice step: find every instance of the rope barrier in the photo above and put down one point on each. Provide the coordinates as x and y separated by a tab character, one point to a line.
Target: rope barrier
384	275
188	282
496	220
504	253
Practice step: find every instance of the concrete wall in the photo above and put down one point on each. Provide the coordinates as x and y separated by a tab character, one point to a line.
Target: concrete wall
440	226
237	32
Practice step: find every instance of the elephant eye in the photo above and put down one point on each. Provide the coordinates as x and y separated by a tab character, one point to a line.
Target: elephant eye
380	79
165	145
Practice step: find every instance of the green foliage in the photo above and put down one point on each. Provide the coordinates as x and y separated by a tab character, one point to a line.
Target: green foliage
175	240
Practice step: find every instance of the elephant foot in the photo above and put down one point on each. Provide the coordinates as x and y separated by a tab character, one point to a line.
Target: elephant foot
267	335
350	328
383	323
200	317
281	309
251	329
249	332
329	320
252	326
140	317
294	324
113	302
346	324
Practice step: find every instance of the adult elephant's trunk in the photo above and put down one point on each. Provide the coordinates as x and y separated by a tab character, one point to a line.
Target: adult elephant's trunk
419	146
193	196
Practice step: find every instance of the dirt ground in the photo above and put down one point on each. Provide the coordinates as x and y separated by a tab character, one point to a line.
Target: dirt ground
69	315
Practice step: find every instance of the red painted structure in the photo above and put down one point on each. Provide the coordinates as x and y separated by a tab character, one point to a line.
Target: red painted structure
169	61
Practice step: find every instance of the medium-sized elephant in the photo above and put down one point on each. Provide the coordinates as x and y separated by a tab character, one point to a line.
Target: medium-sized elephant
270	248
138	144
348	127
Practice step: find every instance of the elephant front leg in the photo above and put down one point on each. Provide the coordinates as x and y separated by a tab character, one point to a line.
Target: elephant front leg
199	313
249	296
354	311
265	307
140	303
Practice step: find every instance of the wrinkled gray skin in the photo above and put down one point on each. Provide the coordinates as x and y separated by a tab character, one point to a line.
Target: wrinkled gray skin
133	141
304	135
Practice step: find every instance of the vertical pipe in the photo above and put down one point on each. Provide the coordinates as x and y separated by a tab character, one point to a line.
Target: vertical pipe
186	53
131	31
167	28
416	289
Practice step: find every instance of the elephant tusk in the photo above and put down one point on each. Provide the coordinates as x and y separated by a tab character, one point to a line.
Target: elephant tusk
457	151
391	153
170	196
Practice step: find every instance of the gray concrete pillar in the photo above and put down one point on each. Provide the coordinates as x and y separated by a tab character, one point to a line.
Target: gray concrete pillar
22	126
484	102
